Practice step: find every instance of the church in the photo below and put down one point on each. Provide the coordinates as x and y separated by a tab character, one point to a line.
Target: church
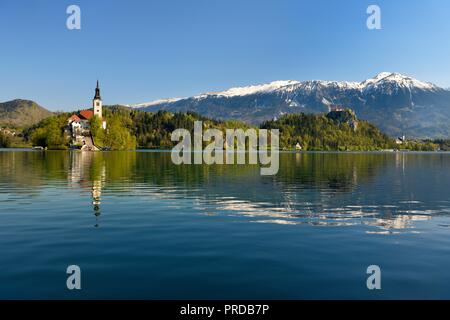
79	126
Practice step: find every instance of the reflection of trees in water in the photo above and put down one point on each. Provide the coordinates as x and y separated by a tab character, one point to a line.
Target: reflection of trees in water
337	172
31	169
123	170
309	188
340	172
332	171
327	174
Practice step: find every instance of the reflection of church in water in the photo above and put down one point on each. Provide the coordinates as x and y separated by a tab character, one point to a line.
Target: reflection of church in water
87	171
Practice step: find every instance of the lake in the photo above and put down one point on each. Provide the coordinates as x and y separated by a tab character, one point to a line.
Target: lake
140	227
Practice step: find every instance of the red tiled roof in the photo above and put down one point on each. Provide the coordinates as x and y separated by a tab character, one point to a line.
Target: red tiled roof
74	118
86	114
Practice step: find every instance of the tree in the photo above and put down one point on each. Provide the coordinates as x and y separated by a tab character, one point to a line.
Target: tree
5	140
118	137
49	133
97	131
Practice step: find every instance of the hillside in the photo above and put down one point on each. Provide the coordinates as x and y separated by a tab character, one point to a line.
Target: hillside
395	103
21	113
335	131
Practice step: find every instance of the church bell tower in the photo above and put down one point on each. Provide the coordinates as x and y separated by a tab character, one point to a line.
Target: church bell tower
97	103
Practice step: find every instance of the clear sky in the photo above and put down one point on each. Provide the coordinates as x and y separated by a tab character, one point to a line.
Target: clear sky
142	50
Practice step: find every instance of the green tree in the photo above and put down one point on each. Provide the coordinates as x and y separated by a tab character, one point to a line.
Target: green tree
118	136
5	140
97	131
49	133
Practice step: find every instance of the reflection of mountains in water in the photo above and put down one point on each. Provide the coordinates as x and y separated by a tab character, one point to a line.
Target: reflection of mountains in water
317	189
323	216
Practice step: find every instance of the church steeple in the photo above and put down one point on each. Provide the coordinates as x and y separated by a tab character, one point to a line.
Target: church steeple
97	93
97	103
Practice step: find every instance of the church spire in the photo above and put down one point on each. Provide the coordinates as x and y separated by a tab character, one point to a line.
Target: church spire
97	102
97	93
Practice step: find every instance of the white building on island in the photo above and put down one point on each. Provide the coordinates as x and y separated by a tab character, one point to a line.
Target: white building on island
79	123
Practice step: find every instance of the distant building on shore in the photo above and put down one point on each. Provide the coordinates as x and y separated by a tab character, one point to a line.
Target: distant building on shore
401	140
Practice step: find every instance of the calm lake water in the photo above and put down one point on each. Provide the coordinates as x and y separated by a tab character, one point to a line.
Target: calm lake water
140	227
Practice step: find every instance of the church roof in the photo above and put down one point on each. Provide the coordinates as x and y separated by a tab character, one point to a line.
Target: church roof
74	118
86	114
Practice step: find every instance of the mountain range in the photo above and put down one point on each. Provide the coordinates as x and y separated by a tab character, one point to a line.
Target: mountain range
396	103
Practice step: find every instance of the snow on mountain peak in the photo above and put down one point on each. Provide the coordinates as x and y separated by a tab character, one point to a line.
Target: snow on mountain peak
396	78
333	84
243	91
153	103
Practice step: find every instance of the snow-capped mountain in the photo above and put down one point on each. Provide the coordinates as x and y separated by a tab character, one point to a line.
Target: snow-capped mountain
392	80
398	104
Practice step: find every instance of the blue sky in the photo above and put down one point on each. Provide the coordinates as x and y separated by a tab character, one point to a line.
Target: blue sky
142	50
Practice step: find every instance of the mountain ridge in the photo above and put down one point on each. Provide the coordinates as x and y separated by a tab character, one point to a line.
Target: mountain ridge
397	103
284	84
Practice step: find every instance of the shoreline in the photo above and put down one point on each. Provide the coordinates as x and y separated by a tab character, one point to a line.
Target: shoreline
281	151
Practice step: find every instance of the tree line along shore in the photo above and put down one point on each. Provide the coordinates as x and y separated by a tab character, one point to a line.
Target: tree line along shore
132	129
